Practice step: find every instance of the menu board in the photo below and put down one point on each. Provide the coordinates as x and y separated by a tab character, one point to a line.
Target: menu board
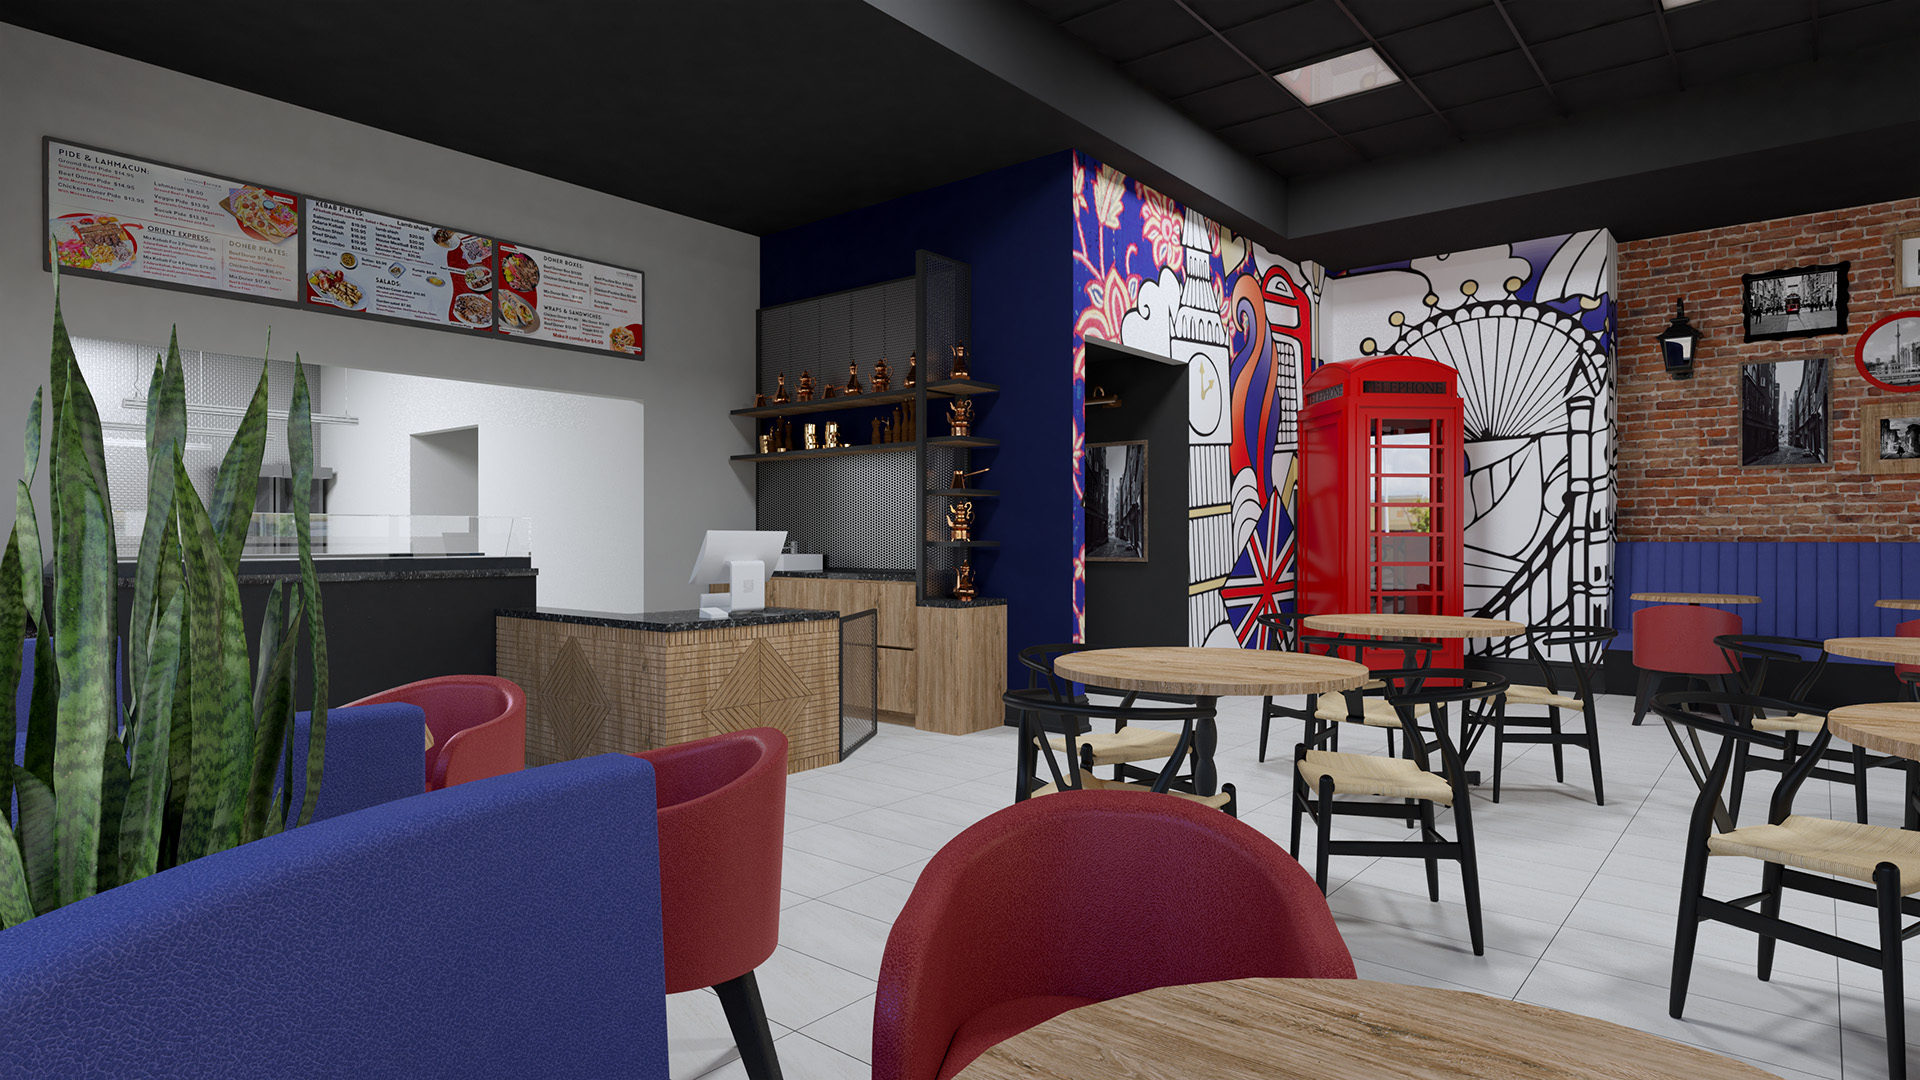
379	264
113	214
543	296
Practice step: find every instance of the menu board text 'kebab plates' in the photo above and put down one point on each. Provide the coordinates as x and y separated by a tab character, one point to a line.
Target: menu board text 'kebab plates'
543	296
361	261
114	214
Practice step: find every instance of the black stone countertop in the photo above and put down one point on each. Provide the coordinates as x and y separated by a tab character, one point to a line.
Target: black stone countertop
667	622
262	571
849	575
978	601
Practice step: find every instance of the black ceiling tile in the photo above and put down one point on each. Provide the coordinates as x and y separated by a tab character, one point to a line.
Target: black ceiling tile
1867	26
1404	137
1323	156
1445	43
1603	47
1198	65
1235	102
1383	17
1227	14
1060	11
1495	116
1299	35
1604	88
1764	51
1294	127
1128	30
1373	108
1702	24
1479	80
1544	20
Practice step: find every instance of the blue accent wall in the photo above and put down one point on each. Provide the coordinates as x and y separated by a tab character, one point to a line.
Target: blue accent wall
1810	589
1014	227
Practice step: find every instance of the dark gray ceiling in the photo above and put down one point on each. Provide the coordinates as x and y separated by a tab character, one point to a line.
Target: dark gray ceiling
1470	69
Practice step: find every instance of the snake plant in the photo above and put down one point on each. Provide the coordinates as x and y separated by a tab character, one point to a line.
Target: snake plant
194	755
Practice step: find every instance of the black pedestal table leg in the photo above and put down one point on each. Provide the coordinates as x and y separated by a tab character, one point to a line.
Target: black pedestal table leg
1206	735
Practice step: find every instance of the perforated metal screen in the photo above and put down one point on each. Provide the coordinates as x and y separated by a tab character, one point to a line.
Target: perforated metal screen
858	510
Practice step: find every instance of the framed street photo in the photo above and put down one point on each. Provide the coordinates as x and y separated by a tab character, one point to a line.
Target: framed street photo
1906	262
1783	412
1888	354
1117	502
1799	302
1890	436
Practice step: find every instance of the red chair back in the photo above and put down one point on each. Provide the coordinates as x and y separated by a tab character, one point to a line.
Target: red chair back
1678	638
479	725
1910	628
723	806
1080	897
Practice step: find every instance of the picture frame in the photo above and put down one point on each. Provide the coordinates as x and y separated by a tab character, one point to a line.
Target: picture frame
1906	261
1799	301
1882	421
1116	501
1888	354
1785	409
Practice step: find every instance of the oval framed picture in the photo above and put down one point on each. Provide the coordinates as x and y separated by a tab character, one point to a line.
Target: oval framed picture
1888	354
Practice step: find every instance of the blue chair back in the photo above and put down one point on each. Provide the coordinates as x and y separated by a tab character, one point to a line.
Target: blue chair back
500	929
375	754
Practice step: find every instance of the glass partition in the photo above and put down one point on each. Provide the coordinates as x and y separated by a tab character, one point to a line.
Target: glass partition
362	536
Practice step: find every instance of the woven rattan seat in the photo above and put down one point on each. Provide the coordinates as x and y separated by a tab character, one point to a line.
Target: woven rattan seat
1523	694
1841	848
1127	744
1375	712
1799	721
1368	774
1090	782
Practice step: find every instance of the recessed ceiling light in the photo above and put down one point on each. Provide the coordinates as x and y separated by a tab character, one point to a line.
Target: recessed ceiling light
1337	78
1671	4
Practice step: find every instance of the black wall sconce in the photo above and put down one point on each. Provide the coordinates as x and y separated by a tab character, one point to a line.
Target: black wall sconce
1679	342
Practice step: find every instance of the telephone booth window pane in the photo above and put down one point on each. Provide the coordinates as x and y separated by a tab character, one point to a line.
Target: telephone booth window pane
1402	578
1405	549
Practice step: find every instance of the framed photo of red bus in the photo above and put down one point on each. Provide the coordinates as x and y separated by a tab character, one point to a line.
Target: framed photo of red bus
1888	354
1801	301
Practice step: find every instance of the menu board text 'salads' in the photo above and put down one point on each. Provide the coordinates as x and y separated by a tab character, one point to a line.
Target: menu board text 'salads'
358	260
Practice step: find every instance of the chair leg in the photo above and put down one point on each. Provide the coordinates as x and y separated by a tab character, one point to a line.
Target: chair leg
1593	757
1770	874
1299	801
1233	801
1693	882
1266	723
1323	816
1499	756
748	1019
1559	760
1643	698
1860	784
1026	759
1469	876
1739	781
1886	880
1427	835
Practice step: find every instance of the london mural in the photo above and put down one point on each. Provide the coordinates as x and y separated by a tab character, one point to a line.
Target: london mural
1529	326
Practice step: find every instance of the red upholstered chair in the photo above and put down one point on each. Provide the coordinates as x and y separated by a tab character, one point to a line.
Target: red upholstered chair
1910	628
1677	639
479	725
1079	897
723	808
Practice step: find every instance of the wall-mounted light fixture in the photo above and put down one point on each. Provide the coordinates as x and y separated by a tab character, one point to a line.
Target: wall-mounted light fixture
1679	342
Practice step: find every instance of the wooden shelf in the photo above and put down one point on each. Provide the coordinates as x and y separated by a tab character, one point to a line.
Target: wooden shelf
798	455
960	440
857	401
964	543
965	493
961	387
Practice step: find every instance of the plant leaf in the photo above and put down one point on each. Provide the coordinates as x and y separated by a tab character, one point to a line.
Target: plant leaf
71	396
300	454
16	904
33	568
141	822
32	438
239	483
206	663
179	748
166	431
236	716
39	854
43	708
114	782
273	713
13	635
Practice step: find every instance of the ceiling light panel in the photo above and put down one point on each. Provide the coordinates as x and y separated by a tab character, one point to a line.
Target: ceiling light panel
1341	76
1671	4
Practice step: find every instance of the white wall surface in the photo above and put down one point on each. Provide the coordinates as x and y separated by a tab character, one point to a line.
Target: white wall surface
443	471
572	464
702	281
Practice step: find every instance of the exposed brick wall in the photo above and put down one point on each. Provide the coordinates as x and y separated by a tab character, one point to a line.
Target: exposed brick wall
1680	476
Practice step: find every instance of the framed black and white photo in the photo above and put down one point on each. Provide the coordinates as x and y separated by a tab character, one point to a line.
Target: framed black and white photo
1799	302
1117	502
1888	355
1783	412
1890	436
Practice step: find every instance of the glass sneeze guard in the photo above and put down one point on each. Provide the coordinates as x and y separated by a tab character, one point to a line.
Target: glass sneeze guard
365	536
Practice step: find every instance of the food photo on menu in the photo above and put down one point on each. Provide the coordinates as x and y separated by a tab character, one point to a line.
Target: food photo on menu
546	296
359	260
519	295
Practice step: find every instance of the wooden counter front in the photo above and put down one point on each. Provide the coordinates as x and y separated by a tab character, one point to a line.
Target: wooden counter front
599	684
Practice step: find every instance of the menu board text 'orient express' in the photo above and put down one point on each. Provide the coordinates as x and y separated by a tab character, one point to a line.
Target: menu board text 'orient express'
113	214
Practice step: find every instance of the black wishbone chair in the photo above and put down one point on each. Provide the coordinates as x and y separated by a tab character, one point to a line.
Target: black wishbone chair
1124	745
1363	706
1796	853
1035	745
1584	645
1767	651
1409	786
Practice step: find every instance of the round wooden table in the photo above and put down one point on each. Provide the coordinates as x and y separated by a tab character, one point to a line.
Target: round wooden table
1414	626
1909	605
1695	598
1338	1029
1209	674
1890	727
1891	650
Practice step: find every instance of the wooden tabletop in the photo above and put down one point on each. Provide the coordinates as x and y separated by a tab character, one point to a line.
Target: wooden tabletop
1892	650
1338	1029
1891	727
1414	626
1695	598
1910	605
1212	672
429	738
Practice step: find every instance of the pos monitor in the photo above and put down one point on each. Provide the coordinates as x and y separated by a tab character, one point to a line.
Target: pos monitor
739	560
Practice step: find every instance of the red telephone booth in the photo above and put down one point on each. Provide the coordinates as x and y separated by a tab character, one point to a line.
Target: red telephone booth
1382	493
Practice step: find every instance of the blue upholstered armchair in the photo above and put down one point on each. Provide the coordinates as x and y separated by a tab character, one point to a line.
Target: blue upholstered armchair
504	928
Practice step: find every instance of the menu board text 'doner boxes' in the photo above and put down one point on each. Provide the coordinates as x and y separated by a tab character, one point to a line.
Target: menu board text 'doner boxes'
114	214
544	296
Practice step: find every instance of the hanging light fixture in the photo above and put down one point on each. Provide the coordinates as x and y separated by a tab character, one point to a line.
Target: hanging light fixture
1679	343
